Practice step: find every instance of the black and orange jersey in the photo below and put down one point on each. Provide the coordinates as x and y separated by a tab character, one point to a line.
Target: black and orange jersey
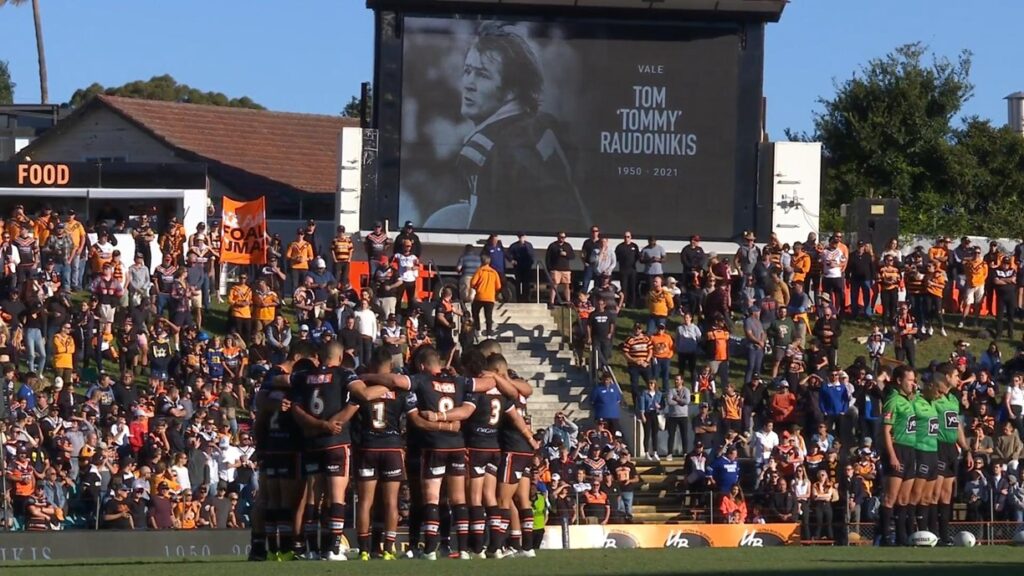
341	249
509	437
322	394
481	430
440	393
380	420
283	433
637	349
889	277
937	283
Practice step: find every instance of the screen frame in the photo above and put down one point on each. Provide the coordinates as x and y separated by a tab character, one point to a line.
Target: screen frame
749	211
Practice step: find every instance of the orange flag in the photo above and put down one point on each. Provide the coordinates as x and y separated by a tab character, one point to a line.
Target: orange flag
244	232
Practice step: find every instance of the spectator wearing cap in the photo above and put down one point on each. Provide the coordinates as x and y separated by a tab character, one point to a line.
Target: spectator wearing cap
522	258
376	244
299	256
662	352
341	252
755	339
60	248
408	234
606	400
161	509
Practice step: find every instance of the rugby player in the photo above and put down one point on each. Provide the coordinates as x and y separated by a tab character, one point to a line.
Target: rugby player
441	397
279	439
514	471
380	456
320	404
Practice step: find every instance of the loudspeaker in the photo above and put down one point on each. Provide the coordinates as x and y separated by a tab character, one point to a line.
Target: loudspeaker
873	220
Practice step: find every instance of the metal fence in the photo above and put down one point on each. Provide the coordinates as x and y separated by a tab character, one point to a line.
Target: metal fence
986	533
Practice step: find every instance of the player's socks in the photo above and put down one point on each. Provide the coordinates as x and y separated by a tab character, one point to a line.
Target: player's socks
526	524
495	531
901	525
944	514
310	529
933	520
885	524
431	527
271	527
390	538
365	541
477	528
920	517
335	526
461	514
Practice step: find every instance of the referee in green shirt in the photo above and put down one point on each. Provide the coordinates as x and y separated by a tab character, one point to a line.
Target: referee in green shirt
899	433
952	443
927	458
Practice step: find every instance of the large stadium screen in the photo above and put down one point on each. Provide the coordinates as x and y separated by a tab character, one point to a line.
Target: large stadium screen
543	126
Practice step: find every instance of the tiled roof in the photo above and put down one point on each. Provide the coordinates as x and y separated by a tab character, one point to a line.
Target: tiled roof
297	150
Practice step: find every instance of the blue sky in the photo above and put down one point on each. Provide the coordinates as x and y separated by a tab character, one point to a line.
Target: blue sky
312	56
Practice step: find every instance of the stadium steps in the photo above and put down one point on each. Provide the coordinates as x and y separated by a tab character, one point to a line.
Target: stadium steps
534	347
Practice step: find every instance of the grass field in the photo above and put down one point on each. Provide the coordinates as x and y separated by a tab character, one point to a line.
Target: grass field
791	561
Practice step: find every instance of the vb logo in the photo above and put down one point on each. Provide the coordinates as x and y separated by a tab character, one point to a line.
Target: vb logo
676	540
750	540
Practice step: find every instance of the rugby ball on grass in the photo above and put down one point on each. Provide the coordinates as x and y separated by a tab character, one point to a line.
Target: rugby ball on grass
924	538
1018	538
965	539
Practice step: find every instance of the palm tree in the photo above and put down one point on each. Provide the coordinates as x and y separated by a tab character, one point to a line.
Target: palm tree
44	88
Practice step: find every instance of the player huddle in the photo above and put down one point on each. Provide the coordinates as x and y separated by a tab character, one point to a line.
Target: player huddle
458	436
923	431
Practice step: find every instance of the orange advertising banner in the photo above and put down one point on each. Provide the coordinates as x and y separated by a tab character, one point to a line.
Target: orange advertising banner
671	536
244	232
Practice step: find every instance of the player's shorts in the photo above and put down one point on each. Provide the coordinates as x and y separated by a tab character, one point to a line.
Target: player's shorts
386	465
331	461
973	295
927	465
514	466
908	462
440	462
280	465
483	461
947	460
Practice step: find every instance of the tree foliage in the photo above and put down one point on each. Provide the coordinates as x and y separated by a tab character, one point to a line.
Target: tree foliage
6	84
351	109
164	88
888	132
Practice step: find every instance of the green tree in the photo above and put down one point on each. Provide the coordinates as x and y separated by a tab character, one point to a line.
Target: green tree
44	85
351	109
164	88
887	133
6	84
985	181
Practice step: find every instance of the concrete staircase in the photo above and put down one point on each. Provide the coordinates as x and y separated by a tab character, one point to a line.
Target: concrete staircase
534	348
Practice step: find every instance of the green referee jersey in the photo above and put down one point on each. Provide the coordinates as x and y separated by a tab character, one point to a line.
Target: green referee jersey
927	425
899	413
948	409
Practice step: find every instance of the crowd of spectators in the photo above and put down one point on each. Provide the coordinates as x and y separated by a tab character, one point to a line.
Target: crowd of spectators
808	424
126	409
